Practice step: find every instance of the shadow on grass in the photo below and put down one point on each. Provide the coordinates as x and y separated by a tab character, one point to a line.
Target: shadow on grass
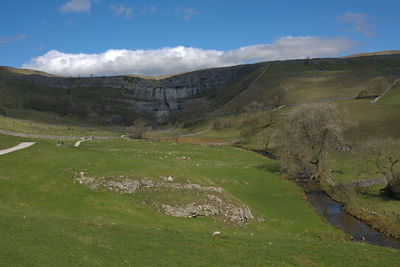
272	167
376	194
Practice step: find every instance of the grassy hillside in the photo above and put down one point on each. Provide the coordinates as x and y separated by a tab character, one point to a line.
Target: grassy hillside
300	82
27	101
48	219
386	52
15	71
282	82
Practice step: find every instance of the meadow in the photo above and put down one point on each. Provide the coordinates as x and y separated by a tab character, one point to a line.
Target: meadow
47	219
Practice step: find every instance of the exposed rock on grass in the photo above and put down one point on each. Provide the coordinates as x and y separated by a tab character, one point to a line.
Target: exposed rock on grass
124	185
236	214
203	201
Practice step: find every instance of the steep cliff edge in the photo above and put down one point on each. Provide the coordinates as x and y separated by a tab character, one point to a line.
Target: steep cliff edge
158	97
122	99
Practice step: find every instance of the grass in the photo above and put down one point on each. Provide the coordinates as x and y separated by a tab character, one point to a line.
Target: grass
372	207
10	124
46	219
302	83
9	141
387	52
16	71
379	120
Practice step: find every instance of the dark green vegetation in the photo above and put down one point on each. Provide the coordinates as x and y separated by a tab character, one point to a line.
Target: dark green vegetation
47	219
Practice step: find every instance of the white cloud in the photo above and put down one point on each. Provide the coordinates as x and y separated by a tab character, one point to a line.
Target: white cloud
126	11
361	23
151	9
12	39
76	6
187	12
178	59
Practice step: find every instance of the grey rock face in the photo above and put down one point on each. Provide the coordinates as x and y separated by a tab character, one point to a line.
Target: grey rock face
159	97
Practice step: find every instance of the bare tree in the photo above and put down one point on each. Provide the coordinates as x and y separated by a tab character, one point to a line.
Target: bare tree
268	131
176	137
374	87
278	97
138	128
382	157
308	134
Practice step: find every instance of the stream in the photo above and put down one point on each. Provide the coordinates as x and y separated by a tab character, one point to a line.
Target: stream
339	217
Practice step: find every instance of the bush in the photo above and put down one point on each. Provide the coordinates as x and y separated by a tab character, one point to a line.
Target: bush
137	130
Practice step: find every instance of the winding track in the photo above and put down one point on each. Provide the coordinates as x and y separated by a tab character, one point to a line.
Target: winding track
209	128
250	87
54	137
387	90
18	147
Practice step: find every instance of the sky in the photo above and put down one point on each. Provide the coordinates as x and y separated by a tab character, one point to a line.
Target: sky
113	37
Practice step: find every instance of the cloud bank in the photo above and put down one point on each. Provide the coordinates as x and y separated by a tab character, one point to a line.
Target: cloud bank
178	59
125	11
76	6
12	39
361	23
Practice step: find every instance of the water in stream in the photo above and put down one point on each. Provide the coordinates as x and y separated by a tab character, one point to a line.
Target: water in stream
338	216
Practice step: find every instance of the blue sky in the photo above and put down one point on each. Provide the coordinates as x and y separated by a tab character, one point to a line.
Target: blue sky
104	37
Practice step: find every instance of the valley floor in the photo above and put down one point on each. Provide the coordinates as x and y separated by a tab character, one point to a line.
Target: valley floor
46	218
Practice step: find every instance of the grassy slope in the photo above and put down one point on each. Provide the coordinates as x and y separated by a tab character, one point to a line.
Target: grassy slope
386	52
378	120
46	219
20	126
17	71
16	97
66	215
303	83
300	82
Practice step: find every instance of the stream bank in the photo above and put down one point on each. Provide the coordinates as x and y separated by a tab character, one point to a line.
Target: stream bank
337	216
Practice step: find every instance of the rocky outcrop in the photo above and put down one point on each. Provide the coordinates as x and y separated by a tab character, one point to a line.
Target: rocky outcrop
212	200
159	97
162	97
236	214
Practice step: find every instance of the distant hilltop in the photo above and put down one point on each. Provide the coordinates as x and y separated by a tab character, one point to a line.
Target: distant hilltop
122	99
379	53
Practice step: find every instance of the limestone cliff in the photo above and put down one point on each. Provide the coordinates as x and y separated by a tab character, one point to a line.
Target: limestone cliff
159	97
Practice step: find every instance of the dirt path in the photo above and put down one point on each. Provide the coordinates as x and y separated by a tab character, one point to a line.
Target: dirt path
220	143
209	128
366	183
18	147
387	90
249	88
54	137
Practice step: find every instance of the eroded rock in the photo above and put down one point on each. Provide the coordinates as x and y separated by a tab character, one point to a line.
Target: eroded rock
238	214
213	201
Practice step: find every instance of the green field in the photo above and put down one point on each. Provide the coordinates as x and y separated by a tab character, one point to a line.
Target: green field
48	219
30	127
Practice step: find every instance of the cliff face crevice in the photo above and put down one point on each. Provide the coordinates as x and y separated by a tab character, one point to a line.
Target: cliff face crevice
160	97
126	95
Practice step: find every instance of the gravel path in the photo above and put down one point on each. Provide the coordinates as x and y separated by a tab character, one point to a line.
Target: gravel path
384	93
209	128
55	137
246	90
18	147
